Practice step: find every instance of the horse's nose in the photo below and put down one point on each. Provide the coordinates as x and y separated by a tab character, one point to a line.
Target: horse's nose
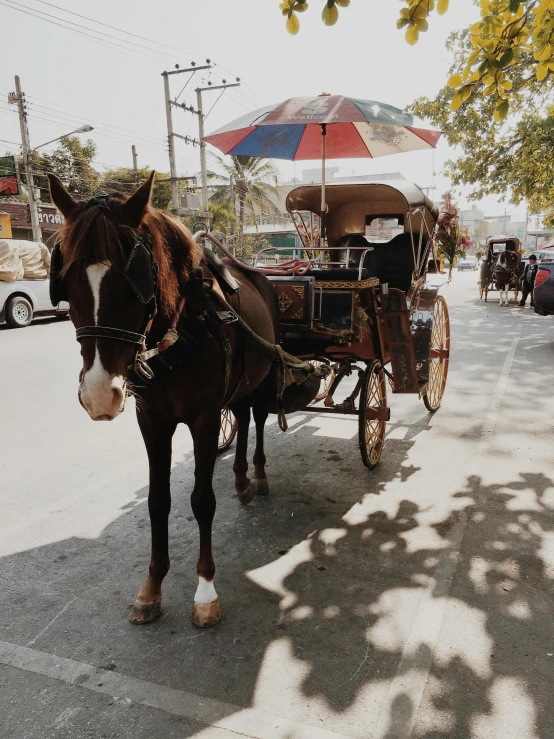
102	397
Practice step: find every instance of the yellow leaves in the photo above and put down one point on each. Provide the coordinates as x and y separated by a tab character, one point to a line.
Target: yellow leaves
455	81
330	15
289	8
459	97
293	24
501	111
442	7
343	3
541	72
412	35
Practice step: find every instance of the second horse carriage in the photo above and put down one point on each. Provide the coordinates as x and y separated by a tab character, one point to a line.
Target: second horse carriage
501	267
358	300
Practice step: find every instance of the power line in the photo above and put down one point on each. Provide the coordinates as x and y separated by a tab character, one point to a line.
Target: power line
79	25
139	57
74	117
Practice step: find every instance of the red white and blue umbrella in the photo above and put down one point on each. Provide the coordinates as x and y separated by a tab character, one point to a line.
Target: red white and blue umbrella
351	129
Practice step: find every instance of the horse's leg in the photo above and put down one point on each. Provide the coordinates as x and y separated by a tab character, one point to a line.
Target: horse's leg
244	488
157	437
205	432
260	417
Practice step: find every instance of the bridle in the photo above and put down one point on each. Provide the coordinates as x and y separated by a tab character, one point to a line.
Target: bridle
141	272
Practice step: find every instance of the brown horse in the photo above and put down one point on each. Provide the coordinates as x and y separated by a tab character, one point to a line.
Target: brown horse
130	273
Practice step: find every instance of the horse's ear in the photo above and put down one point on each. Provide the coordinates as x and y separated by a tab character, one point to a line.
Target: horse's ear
135	207
61	198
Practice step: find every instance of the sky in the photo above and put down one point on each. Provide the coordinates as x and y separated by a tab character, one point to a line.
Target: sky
72	76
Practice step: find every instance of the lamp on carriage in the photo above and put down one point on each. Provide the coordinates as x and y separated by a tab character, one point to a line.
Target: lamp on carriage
82	129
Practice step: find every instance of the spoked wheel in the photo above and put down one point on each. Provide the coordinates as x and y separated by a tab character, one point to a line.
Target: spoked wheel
372	414
227	430
326	382
440	354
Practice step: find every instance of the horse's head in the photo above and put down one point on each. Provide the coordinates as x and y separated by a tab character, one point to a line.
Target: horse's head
104	268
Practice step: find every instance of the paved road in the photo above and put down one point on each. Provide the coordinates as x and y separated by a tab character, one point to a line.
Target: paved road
412	601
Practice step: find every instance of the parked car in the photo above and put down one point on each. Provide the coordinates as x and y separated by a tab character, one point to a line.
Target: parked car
469	264
543	295
22	300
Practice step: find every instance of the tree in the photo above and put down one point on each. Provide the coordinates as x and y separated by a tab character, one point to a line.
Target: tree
123	180
72	163
449	240
513	41
254	180
223	217
511	157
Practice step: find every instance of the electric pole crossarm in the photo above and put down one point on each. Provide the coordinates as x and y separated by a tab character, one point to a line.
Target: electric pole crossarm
189	69
218	87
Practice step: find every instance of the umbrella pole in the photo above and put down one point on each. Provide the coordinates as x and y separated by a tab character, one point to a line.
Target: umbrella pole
323	204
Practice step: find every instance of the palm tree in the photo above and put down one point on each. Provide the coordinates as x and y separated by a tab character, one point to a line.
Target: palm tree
254	180
222	215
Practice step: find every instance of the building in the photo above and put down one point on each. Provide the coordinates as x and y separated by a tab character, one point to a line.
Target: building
473	221
50	219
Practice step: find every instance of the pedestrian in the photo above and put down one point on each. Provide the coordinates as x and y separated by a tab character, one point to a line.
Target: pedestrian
528	280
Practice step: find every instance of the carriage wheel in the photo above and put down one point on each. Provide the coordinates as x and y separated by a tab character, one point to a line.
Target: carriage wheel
227	430
326	382
372	414
440	352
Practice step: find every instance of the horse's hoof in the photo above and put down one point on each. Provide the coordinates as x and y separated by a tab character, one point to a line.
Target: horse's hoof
247	495
205	615
261	486
145	613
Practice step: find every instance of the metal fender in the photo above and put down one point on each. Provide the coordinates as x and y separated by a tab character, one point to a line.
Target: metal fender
7	289
422	306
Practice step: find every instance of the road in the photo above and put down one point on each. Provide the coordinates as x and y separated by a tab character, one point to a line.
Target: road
412	601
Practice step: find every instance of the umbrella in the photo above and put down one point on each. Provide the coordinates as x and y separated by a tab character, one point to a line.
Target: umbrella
324	127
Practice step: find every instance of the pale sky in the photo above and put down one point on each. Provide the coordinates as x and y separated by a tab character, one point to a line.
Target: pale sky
70	79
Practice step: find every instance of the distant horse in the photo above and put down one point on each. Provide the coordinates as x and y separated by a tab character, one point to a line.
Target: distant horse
505	275
134	277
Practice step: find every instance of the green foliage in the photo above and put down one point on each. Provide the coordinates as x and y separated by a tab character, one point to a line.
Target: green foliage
512	157
123	180
254	180
72	163
223	217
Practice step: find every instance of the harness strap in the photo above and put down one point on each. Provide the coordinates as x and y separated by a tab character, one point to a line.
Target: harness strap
108	332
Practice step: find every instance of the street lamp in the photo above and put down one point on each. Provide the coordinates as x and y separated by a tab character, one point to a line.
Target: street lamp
28	161
83	129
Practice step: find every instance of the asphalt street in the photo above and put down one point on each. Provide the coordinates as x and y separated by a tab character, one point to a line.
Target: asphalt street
411	602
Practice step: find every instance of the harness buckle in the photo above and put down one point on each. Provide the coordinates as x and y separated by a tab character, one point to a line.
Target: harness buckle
227	316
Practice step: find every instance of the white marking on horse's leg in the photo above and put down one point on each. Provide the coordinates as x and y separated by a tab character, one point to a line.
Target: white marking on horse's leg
205	592
95	274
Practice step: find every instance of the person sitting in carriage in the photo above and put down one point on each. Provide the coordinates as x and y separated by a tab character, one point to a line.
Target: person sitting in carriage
528	281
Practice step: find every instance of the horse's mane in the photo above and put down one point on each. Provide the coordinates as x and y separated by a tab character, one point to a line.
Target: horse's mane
94	234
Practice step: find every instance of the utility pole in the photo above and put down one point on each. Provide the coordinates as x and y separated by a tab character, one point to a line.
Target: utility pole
135	164
19	98
171	135
201	119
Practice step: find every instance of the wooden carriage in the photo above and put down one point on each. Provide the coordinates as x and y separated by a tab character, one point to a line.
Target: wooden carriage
496	245
361	302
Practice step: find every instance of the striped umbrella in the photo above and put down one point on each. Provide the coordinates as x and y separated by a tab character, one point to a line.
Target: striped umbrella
324	127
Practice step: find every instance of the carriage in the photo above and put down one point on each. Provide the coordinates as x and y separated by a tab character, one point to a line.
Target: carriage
505	249
358	300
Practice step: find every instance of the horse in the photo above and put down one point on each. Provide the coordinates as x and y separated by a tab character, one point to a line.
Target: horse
134	279
503	275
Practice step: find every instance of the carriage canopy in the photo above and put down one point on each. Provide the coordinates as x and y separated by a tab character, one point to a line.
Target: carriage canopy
366	208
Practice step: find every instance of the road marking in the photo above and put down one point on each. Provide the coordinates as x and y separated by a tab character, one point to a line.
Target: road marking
400	711
501	385
247	722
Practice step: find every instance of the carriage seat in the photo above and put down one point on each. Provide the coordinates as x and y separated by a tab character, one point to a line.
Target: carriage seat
392	262
345	274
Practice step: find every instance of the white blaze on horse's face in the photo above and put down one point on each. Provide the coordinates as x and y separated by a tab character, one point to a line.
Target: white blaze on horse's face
102	394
